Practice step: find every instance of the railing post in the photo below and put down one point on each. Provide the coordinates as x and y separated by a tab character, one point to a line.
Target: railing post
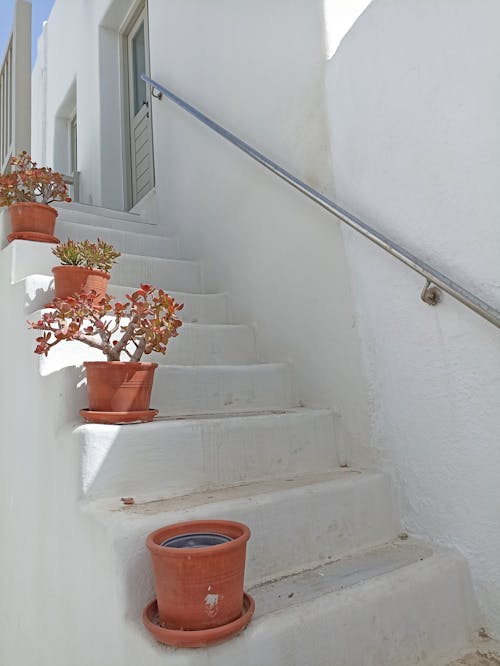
21	92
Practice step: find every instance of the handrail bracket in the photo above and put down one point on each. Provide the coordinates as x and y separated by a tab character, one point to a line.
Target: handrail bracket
430	295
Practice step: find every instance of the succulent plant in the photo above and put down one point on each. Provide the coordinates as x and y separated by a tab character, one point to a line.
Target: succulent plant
143	324
29	183
100	255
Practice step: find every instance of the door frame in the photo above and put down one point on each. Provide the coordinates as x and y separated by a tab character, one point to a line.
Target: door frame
138	10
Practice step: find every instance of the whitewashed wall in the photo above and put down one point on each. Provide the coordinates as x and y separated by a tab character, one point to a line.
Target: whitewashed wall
281	259
414	109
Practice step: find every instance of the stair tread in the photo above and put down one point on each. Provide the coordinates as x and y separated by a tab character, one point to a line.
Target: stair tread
92	229
372	605
306	586
47	278
89	209
28	258
123	240
193	325
329	513
204	308
193	419
254	492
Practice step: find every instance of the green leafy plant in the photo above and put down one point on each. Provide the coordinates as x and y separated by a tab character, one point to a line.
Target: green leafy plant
29	183
100	255
143	324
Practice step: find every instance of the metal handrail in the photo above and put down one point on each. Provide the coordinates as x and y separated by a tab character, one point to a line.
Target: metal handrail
435	280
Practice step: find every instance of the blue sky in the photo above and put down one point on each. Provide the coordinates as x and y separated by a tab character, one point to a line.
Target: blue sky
40	13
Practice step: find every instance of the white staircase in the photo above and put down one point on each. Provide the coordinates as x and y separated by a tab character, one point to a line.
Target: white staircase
333	583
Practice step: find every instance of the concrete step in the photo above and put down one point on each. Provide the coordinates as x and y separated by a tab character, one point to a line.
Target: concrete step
196	344
209	453
184	390
393	605
29	258
124	241
104	218
198	308
297	523
397	604
214	389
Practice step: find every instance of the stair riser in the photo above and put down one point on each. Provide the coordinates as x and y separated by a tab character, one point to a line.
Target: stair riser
28	258
180	457
195	345
224	389
198	308
124	241
182	390
105	218
291	530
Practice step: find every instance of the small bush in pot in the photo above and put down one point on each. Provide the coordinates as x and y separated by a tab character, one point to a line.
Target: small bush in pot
119	391
27	191
85	267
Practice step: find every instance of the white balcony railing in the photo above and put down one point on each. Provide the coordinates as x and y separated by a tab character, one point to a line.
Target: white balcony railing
15	87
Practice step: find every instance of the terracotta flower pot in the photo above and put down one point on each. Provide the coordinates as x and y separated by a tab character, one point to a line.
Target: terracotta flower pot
33	221
119	391
70	280
199	588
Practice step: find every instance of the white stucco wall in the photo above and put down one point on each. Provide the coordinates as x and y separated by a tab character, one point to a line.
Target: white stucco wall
281	260
414	108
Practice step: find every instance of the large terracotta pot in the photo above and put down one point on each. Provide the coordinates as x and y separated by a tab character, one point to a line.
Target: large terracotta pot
70	280
119	391
199	588
33	221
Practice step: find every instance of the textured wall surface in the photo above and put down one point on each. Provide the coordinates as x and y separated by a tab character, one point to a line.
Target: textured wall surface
281	259
414	115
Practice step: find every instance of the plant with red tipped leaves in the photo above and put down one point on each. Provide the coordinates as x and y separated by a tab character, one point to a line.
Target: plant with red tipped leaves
143	324
28	182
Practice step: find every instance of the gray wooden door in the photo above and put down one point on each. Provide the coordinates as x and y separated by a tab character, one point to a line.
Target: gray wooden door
141	143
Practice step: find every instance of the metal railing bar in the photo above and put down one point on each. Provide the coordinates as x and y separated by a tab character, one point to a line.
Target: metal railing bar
434	277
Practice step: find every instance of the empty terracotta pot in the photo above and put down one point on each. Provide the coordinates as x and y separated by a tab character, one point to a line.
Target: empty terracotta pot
119	386
199	587
32	218
70	280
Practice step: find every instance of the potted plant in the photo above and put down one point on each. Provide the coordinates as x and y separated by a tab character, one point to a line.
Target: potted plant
84	267
27	191
118	391
199	569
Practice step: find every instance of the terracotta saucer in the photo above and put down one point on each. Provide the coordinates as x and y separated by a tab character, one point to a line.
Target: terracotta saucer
32	236
117	418
198	638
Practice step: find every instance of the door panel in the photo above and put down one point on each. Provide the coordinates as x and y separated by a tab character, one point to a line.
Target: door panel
141	144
